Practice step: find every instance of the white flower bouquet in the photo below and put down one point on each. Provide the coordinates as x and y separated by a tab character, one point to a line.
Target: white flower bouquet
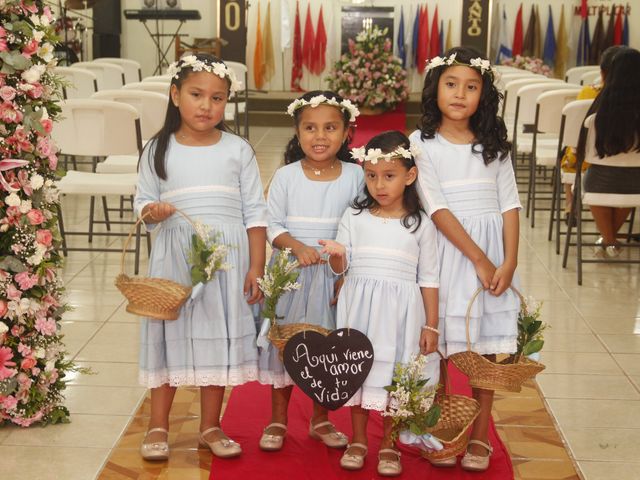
411	405
279	278
207	256
530	328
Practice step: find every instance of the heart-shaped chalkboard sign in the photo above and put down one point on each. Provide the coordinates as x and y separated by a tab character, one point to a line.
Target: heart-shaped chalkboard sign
329	369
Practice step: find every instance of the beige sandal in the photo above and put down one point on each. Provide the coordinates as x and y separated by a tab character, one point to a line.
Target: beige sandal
271	442
353	461
155	451
334	439
389	468
476	463
223	448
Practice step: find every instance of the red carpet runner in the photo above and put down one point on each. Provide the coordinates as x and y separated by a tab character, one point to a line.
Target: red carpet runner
303	458
367	126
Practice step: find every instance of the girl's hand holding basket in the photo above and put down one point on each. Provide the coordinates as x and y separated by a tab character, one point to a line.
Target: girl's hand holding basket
158	212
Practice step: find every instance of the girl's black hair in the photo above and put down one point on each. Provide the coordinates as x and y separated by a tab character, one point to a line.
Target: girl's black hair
387	142
489	129
294	152
160	141
617	108
606	59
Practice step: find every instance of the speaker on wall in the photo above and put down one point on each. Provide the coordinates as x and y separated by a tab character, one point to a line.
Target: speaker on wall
107	17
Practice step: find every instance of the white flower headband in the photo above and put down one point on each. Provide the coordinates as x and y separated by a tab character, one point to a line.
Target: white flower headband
478	63
374	155
344	105
217	68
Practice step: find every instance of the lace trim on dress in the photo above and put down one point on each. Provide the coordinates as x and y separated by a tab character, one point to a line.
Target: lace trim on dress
370	402
278	380
201	378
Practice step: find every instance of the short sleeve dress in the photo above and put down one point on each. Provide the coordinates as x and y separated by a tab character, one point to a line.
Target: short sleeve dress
309	211
381	297
213	340
454	177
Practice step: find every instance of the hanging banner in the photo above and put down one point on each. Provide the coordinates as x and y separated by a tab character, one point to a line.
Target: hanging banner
232	29
475	24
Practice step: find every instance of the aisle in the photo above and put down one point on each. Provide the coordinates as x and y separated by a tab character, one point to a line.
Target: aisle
301	457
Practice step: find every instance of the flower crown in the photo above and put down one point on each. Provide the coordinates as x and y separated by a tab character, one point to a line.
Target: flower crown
217	68
344	105
477	63
373	155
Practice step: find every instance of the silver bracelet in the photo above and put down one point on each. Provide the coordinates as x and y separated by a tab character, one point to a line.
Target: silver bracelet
431	329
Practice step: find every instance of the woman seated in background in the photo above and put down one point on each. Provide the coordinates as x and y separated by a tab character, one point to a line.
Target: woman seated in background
569	158
613	147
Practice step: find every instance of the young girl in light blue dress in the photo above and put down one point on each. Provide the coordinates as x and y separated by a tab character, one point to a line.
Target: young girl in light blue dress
470	193
306	199
195	165
387	246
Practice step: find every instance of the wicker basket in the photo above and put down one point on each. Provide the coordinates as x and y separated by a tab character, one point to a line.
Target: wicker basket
151	297
456	416
488	375
279	335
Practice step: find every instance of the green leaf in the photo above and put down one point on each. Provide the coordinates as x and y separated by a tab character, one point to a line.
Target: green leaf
391	388
534	327
533	347
433	415
415	429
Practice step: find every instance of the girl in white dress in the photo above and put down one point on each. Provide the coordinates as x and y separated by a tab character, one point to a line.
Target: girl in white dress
306	199
470	193
390	292
195	165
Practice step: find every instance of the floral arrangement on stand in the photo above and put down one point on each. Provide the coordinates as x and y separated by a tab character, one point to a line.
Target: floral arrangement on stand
531	64
32	355
411	405
530	328
280	277
369	74
206	257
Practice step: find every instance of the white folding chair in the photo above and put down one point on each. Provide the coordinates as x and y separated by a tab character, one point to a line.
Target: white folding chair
152	108
81	83
510	92
547	118
240	101
158	78
132	69
573	114
525	96
109	75
614	200
97	128
573	74
590	77
158	87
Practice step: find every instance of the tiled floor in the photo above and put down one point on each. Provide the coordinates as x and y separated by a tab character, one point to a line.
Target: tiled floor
591	385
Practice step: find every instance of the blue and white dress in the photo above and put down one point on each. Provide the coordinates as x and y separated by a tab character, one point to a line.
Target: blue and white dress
381	297
451	176
309	211
213	340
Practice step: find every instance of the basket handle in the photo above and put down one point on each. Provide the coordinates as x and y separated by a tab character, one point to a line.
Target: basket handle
135	226
444	372
473	299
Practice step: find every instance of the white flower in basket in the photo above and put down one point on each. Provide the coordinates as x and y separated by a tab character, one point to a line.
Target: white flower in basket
411	405
279	278
206	257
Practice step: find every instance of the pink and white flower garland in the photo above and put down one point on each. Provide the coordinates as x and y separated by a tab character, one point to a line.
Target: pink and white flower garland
32	356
